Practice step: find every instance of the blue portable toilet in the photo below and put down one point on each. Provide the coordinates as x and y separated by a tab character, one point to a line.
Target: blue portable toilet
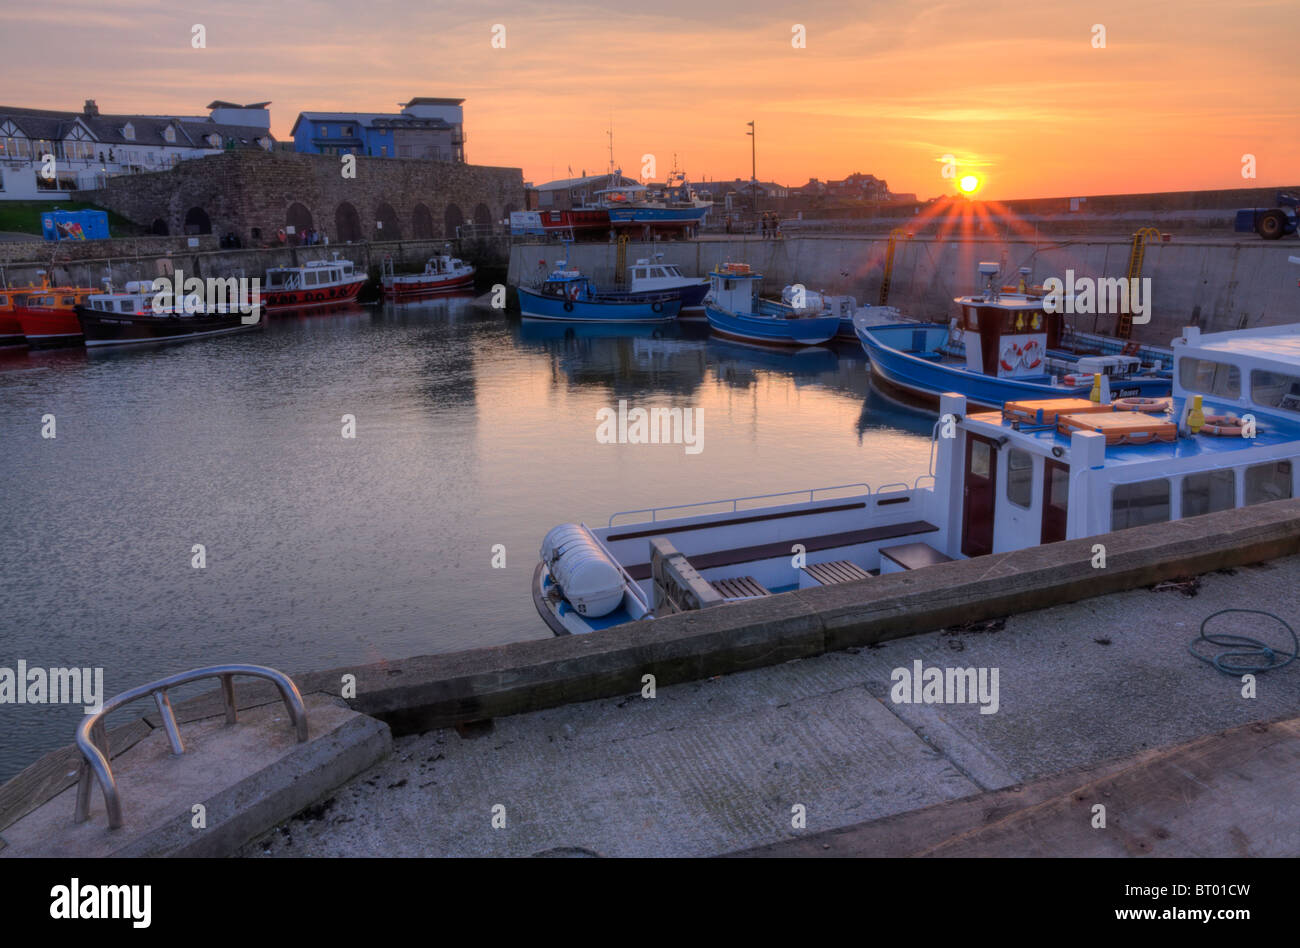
74	225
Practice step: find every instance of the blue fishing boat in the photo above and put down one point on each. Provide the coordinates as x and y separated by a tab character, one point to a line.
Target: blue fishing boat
1006	346
569	296
655	277
735	310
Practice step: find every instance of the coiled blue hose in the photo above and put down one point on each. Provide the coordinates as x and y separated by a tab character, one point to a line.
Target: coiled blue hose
1244	655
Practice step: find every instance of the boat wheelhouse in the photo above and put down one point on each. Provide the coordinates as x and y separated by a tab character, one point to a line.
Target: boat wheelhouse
569	296
735	310
1037	471
132	318
442	274
1005	345
317	283
656	277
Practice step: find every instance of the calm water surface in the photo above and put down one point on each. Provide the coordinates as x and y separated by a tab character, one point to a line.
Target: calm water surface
472	430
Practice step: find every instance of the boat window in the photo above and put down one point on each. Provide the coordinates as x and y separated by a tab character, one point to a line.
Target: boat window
1209	491
4	301
68	301
980	454
1265	482
1275	390
1136	505
126	306
657	272
309	278
1209	377
640	273
1020	478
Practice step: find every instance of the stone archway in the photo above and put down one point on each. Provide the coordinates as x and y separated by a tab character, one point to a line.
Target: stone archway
387	226
197	221
452	218
347	224
482	219
159	228
421	222
299	218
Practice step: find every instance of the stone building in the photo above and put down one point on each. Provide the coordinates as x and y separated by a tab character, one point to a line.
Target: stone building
256	195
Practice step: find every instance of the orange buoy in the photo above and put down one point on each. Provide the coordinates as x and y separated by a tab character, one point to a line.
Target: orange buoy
1222	426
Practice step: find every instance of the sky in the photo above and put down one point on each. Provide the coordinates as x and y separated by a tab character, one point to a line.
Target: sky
1019	94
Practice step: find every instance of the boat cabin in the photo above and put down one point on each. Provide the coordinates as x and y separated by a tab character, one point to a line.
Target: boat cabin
734	287
566	284
317	273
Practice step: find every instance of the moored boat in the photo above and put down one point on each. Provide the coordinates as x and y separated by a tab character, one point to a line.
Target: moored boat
657	278
567	295
317	283
442	274
1005	346
11	330
1038	471
132	318
45	314
736	310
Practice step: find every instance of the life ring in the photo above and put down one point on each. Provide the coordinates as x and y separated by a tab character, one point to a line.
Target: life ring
657	307
573	291
1140	403
1222	426
568	306
1012	350
1031	350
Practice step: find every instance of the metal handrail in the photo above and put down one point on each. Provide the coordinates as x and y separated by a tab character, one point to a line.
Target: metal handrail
655	511
92	734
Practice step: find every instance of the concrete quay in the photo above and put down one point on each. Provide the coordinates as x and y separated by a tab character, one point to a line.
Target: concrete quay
1092	696
1106	676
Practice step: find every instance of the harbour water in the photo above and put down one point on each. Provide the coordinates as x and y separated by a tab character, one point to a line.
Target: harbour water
472	431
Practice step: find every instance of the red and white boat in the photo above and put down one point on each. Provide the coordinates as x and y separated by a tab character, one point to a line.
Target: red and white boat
442	274
318	283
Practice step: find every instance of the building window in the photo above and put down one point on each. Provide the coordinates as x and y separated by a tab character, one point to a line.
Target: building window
1140	504
1209	491
1265	482
324	131
1209	377
169	134
128	132
383	151
1020	478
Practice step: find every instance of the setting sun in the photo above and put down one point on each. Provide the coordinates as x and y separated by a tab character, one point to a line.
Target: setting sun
969	184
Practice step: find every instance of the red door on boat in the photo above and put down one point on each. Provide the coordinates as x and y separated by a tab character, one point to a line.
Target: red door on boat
1056	501
979	496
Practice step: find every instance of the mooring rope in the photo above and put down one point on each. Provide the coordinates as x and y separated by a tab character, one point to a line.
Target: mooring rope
1245	655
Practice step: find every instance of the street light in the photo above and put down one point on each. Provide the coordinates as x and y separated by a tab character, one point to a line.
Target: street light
753	164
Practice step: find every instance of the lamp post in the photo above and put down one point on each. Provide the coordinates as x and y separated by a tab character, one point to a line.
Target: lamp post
753	164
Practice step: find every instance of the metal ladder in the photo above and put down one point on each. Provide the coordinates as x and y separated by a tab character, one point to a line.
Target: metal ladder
1136	255
894	236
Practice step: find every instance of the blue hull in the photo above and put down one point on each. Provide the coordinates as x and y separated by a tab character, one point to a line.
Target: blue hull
904	356
692	297
534	305
657	215
773	330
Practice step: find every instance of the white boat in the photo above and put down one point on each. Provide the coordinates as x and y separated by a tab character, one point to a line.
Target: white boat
442	274
1037	471
656	277
315	283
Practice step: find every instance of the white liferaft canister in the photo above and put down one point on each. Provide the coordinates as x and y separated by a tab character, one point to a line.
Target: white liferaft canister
589	580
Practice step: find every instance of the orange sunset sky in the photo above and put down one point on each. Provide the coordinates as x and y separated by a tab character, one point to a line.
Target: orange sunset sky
1016	91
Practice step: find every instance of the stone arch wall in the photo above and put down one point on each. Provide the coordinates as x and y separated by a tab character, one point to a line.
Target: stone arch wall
347	223
391	228
298	217
452	217
421	222
482	217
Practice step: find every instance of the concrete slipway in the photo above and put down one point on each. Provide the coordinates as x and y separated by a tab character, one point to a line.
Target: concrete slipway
1088	692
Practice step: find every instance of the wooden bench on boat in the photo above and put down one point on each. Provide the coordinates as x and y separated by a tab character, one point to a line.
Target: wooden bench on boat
830	574
740	587
898	559
768	551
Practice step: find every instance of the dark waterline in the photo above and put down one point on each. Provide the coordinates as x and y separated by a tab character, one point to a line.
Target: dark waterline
472	430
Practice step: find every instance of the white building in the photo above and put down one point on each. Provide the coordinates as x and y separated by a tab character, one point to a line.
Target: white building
45	154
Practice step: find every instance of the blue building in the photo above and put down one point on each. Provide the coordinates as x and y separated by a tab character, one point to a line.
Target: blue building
428	128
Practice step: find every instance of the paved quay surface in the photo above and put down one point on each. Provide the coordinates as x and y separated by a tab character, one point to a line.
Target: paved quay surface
713	767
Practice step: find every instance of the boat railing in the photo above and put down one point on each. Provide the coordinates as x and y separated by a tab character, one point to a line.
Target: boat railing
92	734
810	493
629	583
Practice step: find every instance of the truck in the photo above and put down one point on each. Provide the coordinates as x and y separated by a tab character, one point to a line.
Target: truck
1270	223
